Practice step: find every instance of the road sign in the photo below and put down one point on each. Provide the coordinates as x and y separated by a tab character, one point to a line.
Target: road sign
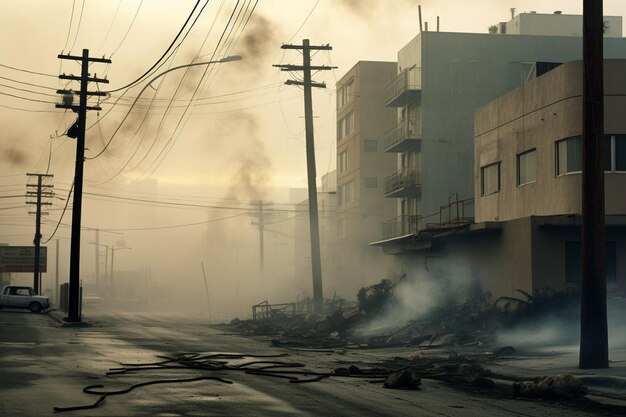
22	259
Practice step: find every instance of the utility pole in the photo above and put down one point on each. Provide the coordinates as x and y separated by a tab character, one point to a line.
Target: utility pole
259	213
42	191
56	276
106	265
112	263
111	278
97	256
594	350
307	84
73	314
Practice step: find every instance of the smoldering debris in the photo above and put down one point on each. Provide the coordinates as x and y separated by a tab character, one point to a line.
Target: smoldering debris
557	386
470	322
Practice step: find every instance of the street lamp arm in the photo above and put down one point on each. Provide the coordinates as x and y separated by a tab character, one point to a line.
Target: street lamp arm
145	87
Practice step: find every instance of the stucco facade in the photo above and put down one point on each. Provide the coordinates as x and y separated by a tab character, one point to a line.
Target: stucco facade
362	121
536	117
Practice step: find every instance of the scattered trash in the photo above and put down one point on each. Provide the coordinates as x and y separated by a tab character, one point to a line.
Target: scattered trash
404	378
557	386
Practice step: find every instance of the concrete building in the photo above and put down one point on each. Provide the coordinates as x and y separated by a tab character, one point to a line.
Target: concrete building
525	237
527	175
362	123
442	78
556	24
527	181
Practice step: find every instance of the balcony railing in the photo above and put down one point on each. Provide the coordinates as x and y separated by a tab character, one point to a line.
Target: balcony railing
405	136
404	88
401	226
404	183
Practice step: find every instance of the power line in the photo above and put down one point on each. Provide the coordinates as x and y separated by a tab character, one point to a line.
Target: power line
80	19
28	71
117	9
69	29
27	90
25	83
27	99
67	201
129	28
176	226
172	139
303	22
141	77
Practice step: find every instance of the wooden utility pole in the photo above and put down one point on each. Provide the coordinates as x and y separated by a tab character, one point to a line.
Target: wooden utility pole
43	191
260	214
97	256
594	350
73	314
307	84
56	276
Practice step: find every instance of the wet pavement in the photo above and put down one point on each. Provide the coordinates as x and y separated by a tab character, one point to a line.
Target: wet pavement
43	365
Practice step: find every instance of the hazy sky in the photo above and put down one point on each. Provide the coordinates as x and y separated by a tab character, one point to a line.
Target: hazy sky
243	140
208	145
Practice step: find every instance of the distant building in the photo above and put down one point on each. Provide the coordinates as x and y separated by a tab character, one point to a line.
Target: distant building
363	123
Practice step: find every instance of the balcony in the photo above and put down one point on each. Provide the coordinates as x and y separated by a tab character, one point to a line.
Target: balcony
405	88
404	137
401	226
404	183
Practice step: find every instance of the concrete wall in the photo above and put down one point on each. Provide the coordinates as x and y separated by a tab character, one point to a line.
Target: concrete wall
358	263
461	72
537	115
558	25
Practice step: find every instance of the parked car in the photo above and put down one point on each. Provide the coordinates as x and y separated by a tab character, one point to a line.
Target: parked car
13	296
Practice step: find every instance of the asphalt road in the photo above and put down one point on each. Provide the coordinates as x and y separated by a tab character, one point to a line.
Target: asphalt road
43	365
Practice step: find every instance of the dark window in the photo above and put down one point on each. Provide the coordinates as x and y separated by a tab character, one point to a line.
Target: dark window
569	155
573	267
490	178
370	145
620	152
527	167
543	67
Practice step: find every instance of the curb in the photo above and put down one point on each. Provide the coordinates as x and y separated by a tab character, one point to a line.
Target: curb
58	316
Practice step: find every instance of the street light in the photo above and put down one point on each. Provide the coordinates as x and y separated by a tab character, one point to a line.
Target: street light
230	58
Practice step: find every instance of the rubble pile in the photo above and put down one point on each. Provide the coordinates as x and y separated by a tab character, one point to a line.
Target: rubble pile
469	322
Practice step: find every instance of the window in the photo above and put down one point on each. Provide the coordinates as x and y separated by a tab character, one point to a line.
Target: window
527	167
620	152
370	145
614	149
569	155
345	193
342	161
490	178
370	183
344	95
573	266
345	126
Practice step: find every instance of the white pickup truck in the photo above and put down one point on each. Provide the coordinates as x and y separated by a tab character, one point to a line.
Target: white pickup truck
13	296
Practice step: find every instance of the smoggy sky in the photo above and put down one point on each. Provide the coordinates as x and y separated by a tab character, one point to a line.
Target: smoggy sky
218	141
